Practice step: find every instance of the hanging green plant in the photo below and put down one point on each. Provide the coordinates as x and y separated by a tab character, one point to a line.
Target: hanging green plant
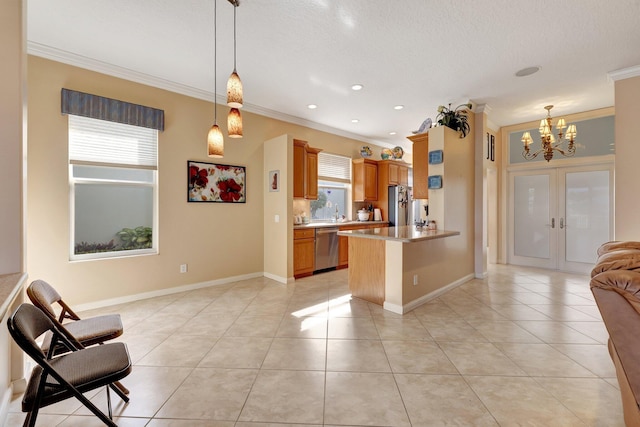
455	119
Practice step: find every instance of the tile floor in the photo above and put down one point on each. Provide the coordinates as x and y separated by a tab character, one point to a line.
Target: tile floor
522	347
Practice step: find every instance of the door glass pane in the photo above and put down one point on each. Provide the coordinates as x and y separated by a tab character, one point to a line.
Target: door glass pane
531	216
587	214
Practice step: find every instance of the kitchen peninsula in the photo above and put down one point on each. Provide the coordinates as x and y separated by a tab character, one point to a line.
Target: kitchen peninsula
401	268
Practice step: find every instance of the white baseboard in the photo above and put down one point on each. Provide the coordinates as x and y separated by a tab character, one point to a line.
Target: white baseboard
276	278
163	292
428	297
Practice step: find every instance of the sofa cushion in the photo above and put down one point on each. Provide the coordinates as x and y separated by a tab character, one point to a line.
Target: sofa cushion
620	259
617	245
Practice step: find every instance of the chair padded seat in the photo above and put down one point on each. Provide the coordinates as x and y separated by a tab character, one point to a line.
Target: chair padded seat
94	330
85	369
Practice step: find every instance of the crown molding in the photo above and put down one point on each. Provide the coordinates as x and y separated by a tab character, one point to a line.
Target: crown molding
58	55
483	108
624	73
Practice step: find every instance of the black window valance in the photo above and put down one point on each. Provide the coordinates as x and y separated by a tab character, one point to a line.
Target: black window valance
99	107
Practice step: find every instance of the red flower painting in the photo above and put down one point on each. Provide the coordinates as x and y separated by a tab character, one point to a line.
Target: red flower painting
209	182
198	177
230	190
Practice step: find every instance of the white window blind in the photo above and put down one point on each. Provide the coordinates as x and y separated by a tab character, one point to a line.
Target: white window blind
332	167
100	142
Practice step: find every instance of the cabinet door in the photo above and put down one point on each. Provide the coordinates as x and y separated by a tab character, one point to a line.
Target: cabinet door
420	166
370	182
393	174
403	175
311	192
299	154
303	257
343	251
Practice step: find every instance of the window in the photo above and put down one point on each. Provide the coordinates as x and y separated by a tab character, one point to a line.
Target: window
113	188
334	188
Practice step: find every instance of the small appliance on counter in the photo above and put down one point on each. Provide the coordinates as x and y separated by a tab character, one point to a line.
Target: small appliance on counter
363	215
377	215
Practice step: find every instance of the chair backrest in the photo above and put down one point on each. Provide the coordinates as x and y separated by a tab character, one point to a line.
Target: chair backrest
25	326
43	296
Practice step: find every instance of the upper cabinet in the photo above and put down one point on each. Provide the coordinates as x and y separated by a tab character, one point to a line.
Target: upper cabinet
365	180
420	165
305	170
393	172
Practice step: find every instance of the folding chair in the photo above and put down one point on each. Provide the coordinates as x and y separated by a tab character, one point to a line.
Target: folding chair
66	375
81	332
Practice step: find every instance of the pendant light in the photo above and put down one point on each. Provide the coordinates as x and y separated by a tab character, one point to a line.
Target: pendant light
215	140
234	88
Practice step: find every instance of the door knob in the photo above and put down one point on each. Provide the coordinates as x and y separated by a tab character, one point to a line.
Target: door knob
553	223
561	223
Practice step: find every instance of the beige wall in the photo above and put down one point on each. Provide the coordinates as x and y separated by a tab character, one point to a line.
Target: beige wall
12	162
627	175
217	241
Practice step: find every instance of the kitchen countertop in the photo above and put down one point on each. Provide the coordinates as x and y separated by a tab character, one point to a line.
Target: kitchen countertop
336	224
405	234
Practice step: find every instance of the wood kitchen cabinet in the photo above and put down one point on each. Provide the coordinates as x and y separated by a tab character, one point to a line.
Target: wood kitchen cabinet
305	170
392	172
420	165
365	180
304	250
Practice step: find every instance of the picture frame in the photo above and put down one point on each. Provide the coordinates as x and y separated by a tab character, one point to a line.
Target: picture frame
215	183
436	157
274	181
435	182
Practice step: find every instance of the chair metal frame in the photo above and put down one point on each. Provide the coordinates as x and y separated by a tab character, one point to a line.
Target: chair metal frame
43	295
28	323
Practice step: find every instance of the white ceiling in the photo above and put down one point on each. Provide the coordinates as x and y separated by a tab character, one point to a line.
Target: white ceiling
416	53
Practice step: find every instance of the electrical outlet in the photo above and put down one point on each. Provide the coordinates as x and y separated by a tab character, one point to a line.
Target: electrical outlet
183	268
277	218
415	279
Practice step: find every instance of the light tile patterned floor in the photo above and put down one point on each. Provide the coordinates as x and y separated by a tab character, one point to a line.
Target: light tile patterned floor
522	347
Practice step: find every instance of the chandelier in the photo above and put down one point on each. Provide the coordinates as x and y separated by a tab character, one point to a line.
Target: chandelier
548	140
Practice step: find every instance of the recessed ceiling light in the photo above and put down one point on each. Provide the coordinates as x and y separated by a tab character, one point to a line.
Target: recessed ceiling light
354	120
357	86
527	71
398	107
392	133
312	106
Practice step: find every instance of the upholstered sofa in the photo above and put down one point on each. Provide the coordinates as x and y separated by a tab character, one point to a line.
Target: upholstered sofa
615	283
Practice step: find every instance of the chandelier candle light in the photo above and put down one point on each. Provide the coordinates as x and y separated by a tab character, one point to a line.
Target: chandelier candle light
234	88
549	144
215	141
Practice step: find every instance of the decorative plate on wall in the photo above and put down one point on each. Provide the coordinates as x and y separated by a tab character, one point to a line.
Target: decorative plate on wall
436	157
435	181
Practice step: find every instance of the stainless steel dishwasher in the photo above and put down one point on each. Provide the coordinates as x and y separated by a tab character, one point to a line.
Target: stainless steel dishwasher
326	248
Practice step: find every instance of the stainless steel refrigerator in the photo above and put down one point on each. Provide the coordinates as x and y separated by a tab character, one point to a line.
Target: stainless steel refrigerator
403	209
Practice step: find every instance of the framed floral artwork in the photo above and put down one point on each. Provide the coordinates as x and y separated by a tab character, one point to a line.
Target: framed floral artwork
210	182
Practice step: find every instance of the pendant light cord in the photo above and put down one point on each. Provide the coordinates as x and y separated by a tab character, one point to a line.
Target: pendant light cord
234	37
215	65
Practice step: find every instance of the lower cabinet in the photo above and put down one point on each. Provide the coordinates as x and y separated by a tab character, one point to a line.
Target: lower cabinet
304	251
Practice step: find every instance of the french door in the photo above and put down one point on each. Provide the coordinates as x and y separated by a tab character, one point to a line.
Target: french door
559	216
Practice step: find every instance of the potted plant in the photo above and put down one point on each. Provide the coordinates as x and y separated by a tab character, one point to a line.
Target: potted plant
455	119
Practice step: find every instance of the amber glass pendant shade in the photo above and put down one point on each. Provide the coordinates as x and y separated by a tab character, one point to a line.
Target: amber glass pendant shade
234	123
234	90
215	142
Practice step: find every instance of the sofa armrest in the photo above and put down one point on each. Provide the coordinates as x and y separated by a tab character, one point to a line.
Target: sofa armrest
623	324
